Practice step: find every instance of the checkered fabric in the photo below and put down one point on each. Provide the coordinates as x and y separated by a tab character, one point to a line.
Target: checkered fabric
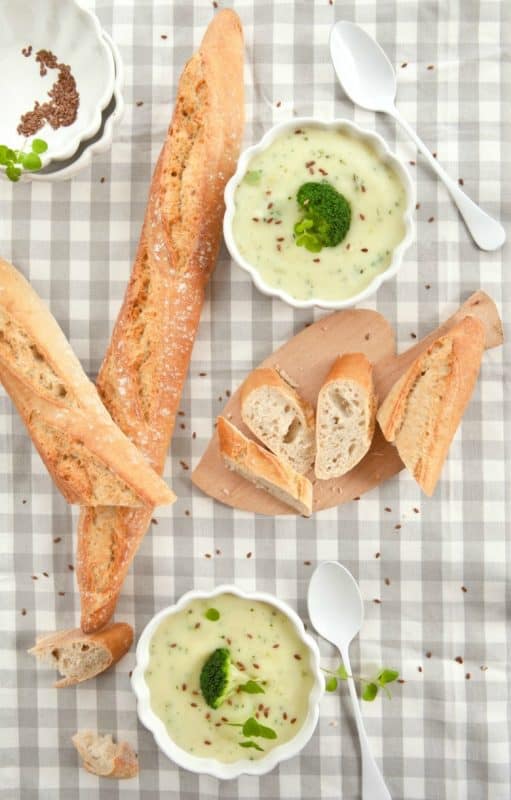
432	571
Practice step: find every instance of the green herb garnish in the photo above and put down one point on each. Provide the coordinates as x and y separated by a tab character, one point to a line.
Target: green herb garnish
253	176
369	688
250	743
251	727
15	161
212	614
252	687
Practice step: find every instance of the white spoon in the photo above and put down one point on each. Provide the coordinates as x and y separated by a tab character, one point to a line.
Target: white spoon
369	80
336	610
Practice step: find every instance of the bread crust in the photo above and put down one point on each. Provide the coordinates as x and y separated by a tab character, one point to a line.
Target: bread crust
424	453
142	376
354	367
266	376
124	762
239	452
116	639
61	408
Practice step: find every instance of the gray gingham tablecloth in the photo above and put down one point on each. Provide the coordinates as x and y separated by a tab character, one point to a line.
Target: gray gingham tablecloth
441	576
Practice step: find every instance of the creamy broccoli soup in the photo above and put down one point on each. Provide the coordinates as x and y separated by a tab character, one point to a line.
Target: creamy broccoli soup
308	242
229	677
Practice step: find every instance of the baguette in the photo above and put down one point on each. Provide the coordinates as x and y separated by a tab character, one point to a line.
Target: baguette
79	656
142	376
101	756
277	415
264	469
89	458
346	416
422	411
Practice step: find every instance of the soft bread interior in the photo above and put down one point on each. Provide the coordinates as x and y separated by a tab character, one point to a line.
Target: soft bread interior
98	752
76	661
342	428
268	486
280	424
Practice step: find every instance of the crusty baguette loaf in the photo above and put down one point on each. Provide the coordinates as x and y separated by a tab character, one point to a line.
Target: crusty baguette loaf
90	459
281	419
423	409
101	756
144	369
79	656
345	416
261	467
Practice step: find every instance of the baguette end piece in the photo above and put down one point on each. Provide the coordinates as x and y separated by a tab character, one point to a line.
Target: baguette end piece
102	757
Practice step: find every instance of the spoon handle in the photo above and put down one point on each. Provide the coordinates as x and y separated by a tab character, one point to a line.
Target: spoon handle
487	233
373	785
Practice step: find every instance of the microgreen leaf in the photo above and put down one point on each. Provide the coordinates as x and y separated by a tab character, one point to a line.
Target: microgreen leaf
387	676
370	692
12	172
3	154
31	161
331	684
212	614
252	687
250	743
253	176
266	733
251	727
39	146
342	673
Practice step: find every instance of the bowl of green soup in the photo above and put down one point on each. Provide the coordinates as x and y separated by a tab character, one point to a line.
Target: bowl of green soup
228	682
319	213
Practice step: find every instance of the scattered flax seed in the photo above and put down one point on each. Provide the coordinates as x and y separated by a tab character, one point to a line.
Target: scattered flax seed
102	180
57	539
163	36
464	589
139	103
431	66
202	374
23	502
401	680
194	435
377	555
275	646
297	656
62	107
298	130
184	465
416	511
240	665
307	563
215	4
61	594
348	246
362	216
284	715
70	568
181	413
278	222
227	392
279	247
356	498
154	521
468	676
278	103
412	163
419	669
270	205
323	171
363	189
218	552
309	164
23	612
461	182
404	64
375	600
397	527
387	508
187	513
208	715
431	219
266	712
207	555
195	693
364	250
46	575
229	642
413	335
483	668
249	555
182	426
293	721
428	654
249	636
417	206
459	660
387	581
194	705
184	687
434	155
27	51
256	666
174	644
316	260
367	337
197	625
427	286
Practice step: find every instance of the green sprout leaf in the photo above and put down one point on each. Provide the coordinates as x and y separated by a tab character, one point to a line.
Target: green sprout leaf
212	614
370	692
342	673
250	743
31	161
3	154
12	172
252	728
253	176
387	676
252	687
331	684
39	146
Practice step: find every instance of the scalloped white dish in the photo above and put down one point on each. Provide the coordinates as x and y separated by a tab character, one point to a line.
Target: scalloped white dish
100	142
75	37
259	255
213	766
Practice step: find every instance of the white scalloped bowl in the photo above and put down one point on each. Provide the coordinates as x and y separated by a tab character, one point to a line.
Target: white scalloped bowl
384	153
211	766
74	35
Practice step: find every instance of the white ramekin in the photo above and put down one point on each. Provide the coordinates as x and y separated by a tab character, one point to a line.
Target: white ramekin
382	151
211	766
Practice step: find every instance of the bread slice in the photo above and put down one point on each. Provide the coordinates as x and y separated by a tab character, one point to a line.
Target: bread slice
279	417
345	416
103	757
88	456
422	411
79	656
144	370
257	465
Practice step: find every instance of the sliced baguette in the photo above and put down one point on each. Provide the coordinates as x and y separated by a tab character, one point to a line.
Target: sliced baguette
101	756
88	456
79	656
345	416
257	465
281	419
422	411
144	369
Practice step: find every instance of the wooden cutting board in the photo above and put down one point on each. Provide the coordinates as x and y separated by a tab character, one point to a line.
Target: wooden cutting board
305	361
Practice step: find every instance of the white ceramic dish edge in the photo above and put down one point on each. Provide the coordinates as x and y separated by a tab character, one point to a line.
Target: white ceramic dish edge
383	152
102	144
211	766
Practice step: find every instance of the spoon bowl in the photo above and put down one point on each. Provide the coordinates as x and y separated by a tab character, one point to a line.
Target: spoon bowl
335	604
368	77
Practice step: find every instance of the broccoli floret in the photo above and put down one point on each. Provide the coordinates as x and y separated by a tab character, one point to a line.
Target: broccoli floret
327	216
219	677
